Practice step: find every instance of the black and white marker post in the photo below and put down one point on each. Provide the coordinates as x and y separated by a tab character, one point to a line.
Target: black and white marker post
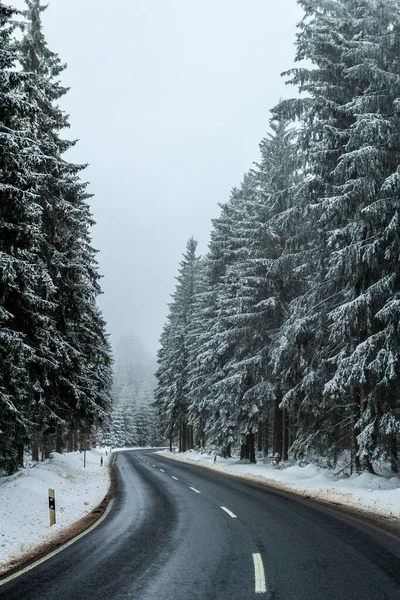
52	507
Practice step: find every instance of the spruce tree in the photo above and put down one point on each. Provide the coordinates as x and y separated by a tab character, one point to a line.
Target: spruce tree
172	391
346	123
212	412
74	389
24	283
364	240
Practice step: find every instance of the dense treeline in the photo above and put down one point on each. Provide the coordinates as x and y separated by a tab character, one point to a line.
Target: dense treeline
132	421
55	371
285	336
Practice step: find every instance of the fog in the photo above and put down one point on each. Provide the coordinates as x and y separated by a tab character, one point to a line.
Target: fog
169	99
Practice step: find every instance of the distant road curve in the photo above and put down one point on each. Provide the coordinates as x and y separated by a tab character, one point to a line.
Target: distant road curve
177	532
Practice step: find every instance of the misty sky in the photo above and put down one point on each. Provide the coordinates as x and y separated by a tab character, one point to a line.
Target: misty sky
169	99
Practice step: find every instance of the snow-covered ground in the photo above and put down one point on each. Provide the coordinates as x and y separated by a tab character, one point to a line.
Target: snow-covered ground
372	493
24	514
24	507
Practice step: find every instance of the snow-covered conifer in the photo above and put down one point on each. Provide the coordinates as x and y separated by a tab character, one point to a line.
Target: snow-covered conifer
75	384
24	281
171	394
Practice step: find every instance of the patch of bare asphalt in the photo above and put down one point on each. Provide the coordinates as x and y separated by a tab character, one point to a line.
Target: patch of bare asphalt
386	524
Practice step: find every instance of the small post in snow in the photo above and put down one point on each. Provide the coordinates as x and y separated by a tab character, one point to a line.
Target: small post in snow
101	461
52	507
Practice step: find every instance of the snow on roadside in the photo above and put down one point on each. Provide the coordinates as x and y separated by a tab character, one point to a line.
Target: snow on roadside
373	493
24	508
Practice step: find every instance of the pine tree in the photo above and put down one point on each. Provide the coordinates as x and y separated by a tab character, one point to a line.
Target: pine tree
364	244
171	394
165	394
214	418
75	386
265	284
24	282
344	131
302	352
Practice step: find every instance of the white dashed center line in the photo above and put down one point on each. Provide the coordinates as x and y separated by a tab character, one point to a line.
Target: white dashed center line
173	477
194	489
229	512
259	574
162	470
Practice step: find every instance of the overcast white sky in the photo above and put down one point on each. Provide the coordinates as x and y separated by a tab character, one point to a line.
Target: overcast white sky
169	99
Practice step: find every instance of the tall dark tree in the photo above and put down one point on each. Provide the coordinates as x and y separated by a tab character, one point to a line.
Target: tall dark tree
24	283
214	420
171	395
74	388
348	139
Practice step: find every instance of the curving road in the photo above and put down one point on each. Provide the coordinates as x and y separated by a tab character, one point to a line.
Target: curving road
177	532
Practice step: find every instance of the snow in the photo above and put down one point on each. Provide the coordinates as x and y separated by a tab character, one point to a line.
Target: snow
372	493
24	513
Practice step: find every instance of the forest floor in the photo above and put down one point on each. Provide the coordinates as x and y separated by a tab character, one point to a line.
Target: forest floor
24	503
378	494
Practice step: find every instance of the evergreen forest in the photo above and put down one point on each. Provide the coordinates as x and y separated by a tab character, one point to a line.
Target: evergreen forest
283	339
132	421
55	360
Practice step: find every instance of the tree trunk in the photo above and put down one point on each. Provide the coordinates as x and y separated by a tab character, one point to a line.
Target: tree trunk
394	459
265	444
243	452
189	437
20	451
260	436
35	448
285	435
355	416
183	435
278	425
75	440
226	451
70	444
251	453
59	441
369	466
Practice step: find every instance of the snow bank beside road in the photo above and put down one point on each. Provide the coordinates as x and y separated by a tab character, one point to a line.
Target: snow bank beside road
372	493
24	513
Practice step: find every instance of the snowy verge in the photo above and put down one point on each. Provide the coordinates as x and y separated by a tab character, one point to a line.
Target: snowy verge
24	505
372	493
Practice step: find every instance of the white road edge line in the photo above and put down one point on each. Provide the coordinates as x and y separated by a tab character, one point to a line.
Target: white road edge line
194	489
229	512
60	549
173	477
259	574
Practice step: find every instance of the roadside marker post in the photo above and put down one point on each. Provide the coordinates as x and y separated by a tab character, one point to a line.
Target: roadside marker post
52	507
101	461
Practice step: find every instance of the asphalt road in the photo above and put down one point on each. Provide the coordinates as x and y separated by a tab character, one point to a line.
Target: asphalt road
177	532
